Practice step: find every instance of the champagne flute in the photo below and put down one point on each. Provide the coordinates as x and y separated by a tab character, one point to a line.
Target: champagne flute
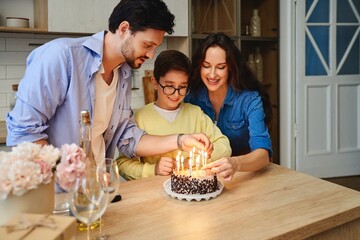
89	197
113	178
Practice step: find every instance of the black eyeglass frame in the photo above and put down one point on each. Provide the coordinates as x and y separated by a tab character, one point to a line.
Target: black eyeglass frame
175	89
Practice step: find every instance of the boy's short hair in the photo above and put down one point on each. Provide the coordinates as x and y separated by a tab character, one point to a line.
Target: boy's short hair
169	60
141	15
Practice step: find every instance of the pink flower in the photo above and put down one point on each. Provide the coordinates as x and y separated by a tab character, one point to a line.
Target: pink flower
71	166
45	170
26	167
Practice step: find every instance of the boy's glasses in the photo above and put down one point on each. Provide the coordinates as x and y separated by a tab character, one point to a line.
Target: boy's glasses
170	90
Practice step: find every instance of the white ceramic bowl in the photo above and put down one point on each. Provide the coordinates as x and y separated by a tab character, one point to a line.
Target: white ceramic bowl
17	22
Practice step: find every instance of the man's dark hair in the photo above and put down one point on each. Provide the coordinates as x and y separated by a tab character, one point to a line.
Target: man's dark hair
142	14
170	60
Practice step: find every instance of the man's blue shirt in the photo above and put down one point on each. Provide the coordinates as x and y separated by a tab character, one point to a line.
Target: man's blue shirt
58	83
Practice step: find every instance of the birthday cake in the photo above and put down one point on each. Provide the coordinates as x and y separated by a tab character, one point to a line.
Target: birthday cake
199	182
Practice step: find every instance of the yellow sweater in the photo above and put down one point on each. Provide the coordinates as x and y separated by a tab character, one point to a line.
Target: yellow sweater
191	119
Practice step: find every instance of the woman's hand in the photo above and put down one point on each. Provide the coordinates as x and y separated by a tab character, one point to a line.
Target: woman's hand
224	167
251	162
164	167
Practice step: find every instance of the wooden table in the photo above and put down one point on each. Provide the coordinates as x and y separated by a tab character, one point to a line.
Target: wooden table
275	203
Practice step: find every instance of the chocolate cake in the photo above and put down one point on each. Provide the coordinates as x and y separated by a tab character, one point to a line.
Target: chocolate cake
198	182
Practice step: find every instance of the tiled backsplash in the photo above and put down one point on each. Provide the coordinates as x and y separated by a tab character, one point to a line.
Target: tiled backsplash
14	49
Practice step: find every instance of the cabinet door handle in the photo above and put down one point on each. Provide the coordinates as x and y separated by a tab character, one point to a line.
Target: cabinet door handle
35	44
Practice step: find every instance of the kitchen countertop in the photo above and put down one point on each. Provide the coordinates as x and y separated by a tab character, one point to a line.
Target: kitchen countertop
3	132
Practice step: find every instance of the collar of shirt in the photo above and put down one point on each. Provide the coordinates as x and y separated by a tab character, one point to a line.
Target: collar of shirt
229	99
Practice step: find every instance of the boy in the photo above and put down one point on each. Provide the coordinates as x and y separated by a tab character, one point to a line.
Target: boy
169	115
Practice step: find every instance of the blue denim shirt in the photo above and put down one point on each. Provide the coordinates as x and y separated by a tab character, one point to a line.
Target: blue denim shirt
241	119
59	82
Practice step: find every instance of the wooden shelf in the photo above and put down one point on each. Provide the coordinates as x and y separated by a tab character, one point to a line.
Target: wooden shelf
22	30
260	39
38	31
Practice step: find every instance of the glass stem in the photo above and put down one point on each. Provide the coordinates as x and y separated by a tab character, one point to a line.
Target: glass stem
100	229
88	231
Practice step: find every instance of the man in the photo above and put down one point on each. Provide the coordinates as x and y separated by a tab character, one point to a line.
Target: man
67	75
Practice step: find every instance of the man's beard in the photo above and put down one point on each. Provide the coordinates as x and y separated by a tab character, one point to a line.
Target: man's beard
131	63
128	54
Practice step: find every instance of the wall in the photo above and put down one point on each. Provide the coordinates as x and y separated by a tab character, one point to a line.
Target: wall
14	49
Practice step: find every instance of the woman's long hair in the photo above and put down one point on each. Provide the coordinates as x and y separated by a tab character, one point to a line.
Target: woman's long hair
240	75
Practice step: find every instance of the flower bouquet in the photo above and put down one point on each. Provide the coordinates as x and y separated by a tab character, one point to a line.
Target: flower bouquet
26	178
71	166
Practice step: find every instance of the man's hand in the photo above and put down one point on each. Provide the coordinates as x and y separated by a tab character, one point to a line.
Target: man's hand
198	140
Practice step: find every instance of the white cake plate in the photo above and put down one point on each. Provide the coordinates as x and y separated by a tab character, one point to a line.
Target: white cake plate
189	197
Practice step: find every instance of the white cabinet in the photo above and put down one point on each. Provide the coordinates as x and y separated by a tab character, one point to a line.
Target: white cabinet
181	11
80	16
90	16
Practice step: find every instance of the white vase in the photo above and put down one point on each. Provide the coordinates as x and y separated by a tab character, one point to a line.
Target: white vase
259	67
255	24
39	200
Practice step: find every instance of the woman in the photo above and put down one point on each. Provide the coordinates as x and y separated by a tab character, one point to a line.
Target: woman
229	93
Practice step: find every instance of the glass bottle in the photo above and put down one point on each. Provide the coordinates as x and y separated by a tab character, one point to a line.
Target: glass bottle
85	137
255	24
259	68
85	144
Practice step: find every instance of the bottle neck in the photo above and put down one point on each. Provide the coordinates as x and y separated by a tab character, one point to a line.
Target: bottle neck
85	143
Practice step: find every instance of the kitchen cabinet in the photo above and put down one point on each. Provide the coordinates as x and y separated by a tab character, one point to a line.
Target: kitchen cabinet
233	18
88	16
82	16
181	11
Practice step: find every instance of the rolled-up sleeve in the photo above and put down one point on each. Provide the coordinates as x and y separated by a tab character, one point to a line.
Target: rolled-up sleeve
130	137
41	91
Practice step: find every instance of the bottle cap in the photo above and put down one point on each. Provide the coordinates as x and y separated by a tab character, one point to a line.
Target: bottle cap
85	116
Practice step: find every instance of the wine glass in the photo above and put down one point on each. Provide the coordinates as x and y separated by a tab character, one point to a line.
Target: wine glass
89	197
113	179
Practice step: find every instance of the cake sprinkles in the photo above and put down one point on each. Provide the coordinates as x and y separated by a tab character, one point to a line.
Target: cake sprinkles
183	184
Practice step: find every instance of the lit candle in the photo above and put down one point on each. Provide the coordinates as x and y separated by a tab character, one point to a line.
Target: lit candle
202	156
178	162
190	166
206	156
197	164
182	163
